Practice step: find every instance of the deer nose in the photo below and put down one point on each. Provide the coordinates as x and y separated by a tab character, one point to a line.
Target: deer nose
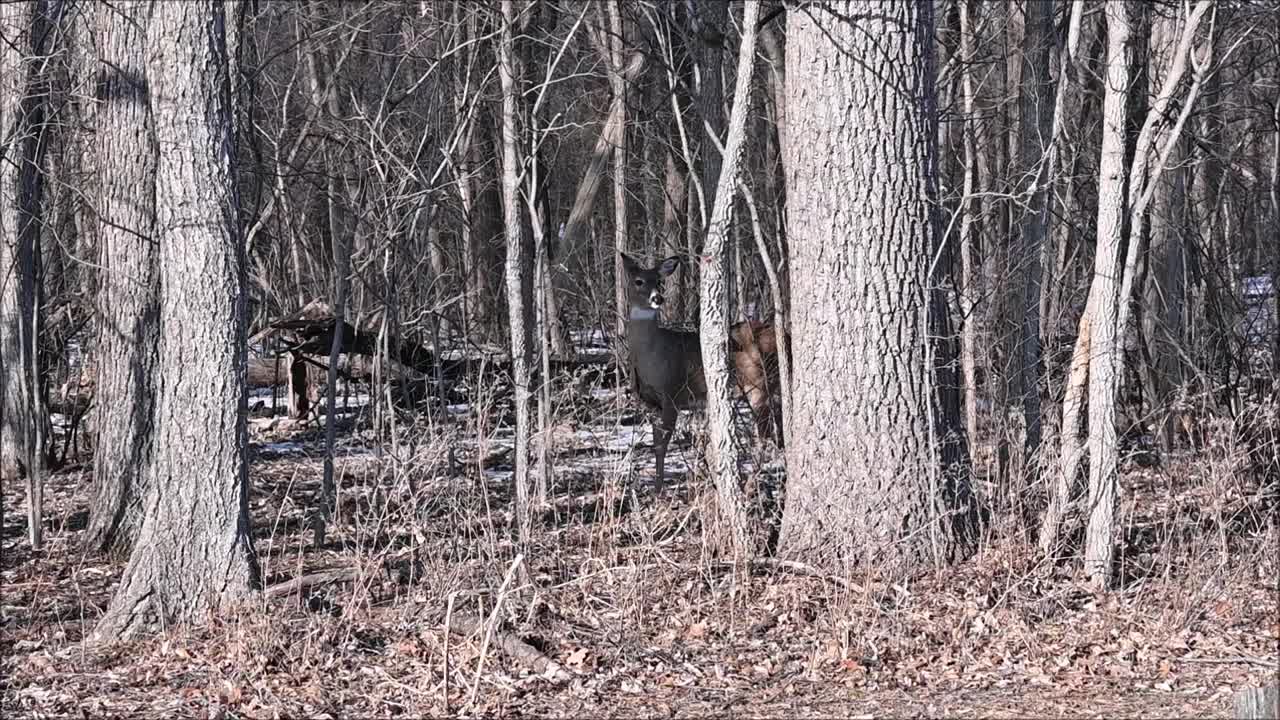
655	299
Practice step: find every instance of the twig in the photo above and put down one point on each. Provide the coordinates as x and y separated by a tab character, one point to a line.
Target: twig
448	622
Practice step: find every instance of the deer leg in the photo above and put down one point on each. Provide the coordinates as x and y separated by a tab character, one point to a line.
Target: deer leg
761	410
663	428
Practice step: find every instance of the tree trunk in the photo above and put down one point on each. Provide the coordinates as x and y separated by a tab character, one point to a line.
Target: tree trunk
340	244
715	316
969	290
620	225
128	312
1037	133
867	476
24	424
519	273
1115	265
194	551
711	23
1106	360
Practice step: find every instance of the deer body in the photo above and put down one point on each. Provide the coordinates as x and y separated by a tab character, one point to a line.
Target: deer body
666	364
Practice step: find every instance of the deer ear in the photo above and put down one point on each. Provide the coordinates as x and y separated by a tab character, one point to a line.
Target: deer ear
669	265
629	264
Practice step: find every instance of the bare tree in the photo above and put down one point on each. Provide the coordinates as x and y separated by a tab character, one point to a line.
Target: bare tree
1116	263
185	563
519	270
24	422
618	80
1033	158
714	333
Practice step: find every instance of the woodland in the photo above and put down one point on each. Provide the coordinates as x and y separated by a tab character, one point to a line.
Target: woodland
632	358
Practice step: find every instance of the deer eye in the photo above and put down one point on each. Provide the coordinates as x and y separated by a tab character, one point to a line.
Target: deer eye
639	283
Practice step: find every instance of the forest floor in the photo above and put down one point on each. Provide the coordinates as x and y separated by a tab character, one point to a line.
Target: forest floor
621	606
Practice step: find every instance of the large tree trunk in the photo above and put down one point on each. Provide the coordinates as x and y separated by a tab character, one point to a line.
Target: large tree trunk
194	550
868	461
128	303
24	423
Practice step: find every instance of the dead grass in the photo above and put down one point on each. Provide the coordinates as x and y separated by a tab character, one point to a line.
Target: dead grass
628	594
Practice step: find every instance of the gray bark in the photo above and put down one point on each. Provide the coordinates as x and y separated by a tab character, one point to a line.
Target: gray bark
1037	133
867	476
619	115
1115	266
519	273
340	244
128	302
194	551
715	315
24	424
1105	365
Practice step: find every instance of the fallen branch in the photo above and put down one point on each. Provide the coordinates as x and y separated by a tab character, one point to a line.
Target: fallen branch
521	651
1234	660
305	582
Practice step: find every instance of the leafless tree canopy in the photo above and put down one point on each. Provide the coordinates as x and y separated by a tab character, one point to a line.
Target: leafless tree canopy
434	357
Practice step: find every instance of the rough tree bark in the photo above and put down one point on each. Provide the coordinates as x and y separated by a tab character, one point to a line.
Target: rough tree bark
24	423
1033	158
618	81
871	453
128	302
714	330
194	551
519	272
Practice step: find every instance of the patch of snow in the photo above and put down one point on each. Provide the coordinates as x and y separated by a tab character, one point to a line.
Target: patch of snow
283	448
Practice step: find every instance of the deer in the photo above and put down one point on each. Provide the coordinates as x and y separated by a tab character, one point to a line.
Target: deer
666	364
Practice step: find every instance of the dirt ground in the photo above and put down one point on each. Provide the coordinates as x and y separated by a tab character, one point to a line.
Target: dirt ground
620	606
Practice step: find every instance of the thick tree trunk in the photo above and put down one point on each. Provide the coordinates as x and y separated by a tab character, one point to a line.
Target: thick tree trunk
867	479
194	551
128	303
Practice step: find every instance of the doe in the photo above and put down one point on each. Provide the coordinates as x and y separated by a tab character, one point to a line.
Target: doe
666	364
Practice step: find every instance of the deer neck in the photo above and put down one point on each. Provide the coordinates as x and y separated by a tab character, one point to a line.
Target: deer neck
641	314
642	327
